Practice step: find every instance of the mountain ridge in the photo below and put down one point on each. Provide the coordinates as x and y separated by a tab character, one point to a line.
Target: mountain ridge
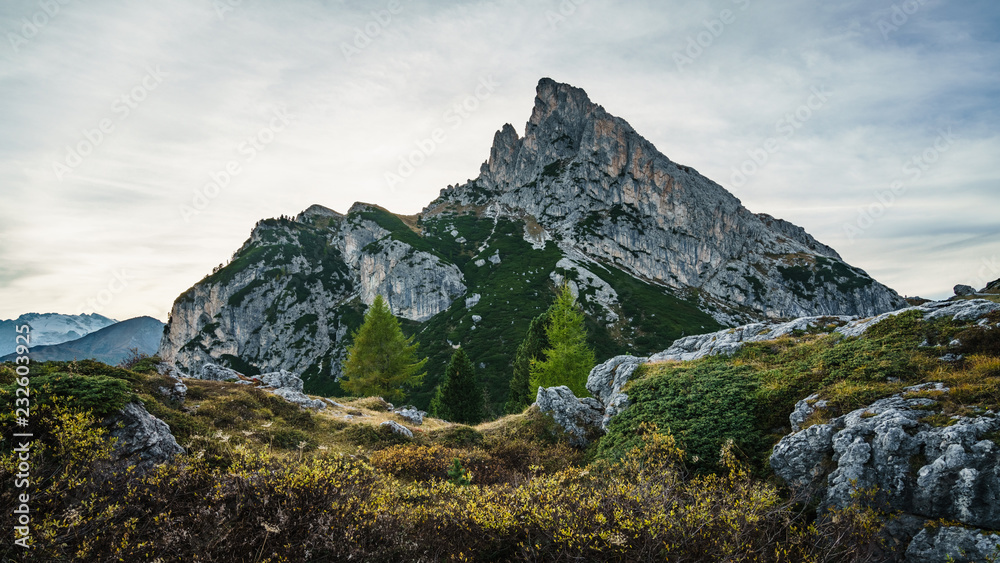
110	344
654	250
51	328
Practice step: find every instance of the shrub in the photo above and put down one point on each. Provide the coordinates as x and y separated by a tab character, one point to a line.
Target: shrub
704	404
99	394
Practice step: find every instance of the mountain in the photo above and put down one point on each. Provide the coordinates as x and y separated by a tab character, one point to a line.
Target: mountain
50	328
110	344
655	251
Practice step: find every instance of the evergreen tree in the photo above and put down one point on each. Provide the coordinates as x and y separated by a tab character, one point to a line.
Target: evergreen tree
461	396
436	408
531	349
568	359
380	360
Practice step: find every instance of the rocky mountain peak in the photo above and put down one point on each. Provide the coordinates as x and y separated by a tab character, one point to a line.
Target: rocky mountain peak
598	188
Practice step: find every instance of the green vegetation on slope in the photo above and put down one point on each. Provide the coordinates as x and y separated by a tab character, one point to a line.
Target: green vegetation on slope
747	397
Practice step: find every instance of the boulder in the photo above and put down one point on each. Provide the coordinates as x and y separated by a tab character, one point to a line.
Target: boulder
953	543
579	417
142	439
281	380
964	290
410	414
299	398
950	472
397	428
215	372
606	382
176	392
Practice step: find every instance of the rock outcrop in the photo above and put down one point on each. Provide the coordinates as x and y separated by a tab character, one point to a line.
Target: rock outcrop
579	417
932	472
955	544
141	439
397	428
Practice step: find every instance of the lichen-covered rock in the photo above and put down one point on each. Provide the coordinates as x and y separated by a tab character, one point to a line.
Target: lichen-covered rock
579	417
299	398
730	340
141	438
955	544
606	382
213	372
397	428
176	392
963	290
411	414
948	472
281	379
804	409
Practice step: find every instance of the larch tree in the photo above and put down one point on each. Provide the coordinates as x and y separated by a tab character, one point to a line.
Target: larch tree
568	358
380	360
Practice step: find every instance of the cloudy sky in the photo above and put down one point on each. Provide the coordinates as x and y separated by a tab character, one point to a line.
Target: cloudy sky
142	141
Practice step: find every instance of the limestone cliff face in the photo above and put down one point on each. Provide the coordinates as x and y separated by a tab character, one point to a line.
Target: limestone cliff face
597	186
290	294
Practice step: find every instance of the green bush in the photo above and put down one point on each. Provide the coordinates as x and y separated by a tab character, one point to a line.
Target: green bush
99	394
703	404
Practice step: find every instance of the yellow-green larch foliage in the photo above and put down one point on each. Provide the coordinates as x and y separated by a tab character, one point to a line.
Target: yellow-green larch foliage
568	359
380	360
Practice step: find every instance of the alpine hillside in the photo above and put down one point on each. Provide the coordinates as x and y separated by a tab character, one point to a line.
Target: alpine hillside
654	250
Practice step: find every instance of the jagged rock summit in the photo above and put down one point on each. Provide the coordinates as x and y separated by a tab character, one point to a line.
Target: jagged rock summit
599	188
654	250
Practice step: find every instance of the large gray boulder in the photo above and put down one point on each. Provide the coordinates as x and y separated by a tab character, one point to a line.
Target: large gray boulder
397	428
964	290
579	417
214	372
932	472
141	439
411	414
606	382
288	386
281	380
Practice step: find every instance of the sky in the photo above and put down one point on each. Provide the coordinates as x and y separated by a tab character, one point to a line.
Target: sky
143	140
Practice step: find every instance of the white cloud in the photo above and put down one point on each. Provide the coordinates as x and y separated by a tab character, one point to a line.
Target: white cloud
356	117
